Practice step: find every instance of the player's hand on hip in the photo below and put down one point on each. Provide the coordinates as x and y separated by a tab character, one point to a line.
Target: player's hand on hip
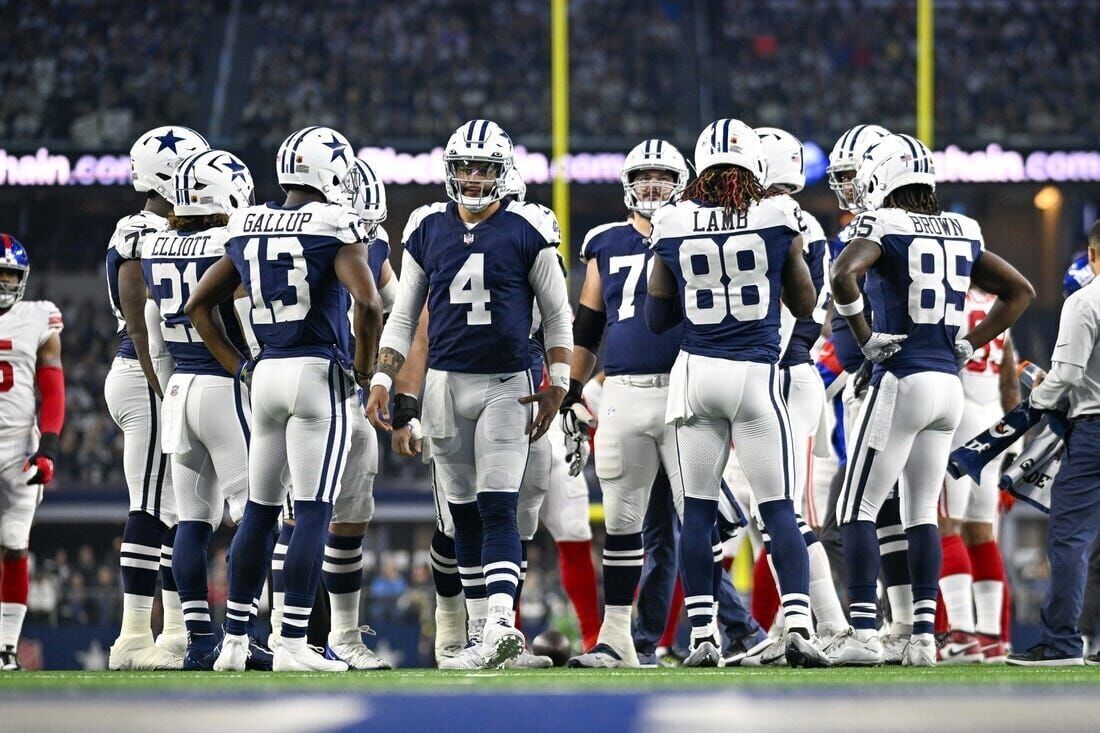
378	408
964	350
549	402
881	346
407	440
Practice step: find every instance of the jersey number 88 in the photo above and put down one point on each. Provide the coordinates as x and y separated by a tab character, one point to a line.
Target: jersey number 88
734	268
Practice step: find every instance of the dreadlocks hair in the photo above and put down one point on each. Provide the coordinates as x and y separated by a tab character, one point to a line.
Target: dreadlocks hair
197	223
730	186
919	198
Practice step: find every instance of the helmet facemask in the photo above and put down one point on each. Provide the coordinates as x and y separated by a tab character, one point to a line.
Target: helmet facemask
476	183
648	189
842	180
12	292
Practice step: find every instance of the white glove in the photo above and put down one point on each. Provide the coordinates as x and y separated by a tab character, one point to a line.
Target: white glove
574	424
881	346
963	351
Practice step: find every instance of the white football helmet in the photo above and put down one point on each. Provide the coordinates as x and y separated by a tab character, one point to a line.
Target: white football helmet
316	157
730	142
786	162
156	155
212	182
366	194
652	155
515	186
482	147
893	162
844	160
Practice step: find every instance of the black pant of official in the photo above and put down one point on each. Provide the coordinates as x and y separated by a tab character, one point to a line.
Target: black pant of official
1074	523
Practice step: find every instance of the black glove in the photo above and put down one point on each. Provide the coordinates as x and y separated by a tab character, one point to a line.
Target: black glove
573	396
406	407
49	446
861	380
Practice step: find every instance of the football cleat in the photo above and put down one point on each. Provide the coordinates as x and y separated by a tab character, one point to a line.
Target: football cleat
773	653
470	657
260	657
847	650
138	653
450	633
1044	655
527	660
1091	660
347	646
601	656
9	660
502	642
993	649
703	653
174	644
893	648
735	653
201	657
959	647
234	654
800	651
306	659
921	651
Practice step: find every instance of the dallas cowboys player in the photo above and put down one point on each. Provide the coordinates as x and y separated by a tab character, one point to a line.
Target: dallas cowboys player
133	392
632	441
919	262
729	254
295	261
479	264
30	356
206	413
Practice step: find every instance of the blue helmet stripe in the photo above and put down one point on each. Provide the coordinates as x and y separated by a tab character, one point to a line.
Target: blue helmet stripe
726	135
854	132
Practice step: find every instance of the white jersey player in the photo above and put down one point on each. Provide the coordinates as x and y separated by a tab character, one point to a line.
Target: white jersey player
919	262
972	582
30	356
133	390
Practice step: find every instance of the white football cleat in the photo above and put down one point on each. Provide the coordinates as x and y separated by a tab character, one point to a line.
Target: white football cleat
893	648
347	646
847	650
174	644
603	656
800	651
703	653
450	633
469	657
921	651
138	653
501	642
306	659
528	660
234	654
771	653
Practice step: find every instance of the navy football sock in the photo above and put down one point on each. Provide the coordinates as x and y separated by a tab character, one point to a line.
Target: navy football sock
302	569
697	561
140	554
623	557
522	573
862	560
189	567
468	546
167	578
893	544
445	565
924	568
716	552
791	562
250	561
502	553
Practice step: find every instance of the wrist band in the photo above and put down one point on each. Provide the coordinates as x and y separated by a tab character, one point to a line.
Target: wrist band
381	380
850	309
559	375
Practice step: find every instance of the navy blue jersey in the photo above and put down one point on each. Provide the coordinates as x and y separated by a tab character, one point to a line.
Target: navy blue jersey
728	270
847	349
624	262
378	252
285	259
172	264
479	296
125	245
815	248
918	286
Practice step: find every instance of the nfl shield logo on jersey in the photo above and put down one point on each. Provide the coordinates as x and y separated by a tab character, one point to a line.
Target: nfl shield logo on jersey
468	238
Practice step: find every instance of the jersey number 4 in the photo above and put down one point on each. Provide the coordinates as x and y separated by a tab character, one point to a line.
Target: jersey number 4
273	302
731	272
468	288
936	267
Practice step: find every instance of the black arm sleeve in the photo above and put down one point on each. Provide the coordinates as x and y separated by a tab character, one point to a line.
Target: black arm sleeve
588	328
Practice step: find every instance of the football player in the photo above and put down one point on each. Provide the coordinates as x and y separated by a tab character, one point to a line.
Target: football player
800	383
297	261
479	264
972	577
133	394
726	255
30	356
205	415
918	261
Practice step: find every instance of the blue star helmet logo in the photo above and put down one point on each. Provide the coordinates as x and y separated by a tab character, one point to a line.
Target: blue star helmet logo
337	148
237	169
168	141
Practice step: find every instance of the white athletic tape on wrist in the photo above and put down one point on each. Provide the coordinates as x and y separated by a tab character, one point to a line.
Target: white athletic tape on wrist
559	375
850	309
381	380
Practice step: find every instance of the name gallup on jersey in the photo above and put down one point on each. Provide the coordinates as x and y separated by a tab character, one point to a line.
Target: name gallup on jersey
280	221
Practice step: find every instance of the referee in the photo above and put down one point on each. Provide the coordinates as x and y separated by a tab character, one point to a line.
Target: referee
1075	495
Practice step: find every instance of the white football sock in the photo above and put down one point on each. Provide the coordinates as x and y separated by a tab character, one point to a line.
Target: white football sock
345	611
137	614
901	609
278	601
959	601
173	613
989	596
11	623
823	599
